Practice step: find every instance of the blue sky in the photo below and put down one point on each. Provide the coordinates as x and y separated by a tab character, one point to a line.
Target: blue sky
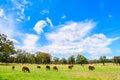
63	27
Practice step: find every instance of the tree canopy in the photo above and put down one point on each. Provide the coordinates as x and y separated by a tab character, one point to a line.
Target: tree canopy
6	48
103	59
81	59
71	60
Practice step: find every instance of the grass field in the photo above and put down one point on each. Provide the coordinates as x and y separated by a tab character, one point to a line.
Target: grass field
108	72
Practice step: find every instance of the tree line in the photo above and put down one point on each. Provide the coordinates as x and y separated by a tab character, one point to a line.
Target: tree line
8	54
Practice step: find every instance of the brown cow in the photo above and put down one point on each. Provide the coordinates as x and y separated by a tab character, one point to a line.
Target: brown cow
48	67
70	67
55	68
38	67
13	67
91	68
25	69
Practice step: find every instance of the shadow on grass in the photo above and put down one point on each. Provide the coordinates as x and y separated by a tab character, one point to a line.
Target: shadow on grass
2	78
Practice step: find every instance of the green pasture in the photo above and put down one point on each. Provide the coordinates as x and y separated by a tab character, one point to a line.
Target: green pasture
108	72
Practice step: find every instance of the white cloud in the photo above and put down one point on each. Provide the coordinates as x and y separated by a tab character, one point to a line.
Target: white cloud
30	40
49	21
1	12
29	43
7	26
73	38
15	41
39	26
28	18
72	31
63	17
19	8
43	12
65	40
109	57
96	44
18	20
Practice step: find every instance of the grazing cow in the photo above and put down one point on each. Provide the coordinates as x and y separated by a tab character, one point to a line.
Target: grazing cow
38	67
70	67
13	67
48	67
25	69
55	68
91	68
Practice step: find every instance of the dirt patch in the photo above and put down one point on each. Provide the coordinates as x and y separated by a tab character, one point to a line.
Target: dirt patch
82	74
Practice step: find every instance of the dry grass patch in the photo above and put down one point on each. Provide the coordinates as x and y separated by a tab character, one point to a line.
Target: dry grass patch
82	74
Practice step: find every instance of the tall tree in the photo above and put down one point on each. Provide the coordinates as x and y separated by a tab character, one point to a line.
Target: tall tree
30	58
21	56
116	59
43	57
38	58
71	60
6	48
63	61
103	59
56	60
80	59
12	59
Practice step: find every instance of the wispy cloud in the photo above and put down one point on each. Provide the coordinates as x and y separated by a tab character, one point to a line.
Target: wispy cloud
63	17
72	38
10	15
66	40
28	18
1	12
39	26
71	31
96	44
49	21
43	12
29	43
7	24
19	9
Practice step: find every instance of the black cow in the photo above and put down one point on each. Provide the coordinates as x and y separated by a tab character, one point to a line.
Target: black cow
48	67
38	67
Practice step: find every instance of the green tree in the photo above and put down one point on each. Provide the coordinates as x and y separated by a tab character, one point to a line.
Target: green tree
71	60
6	48
80	59
30	58
56	60
42	57
11	59
116	59
38	58
21	56
63	61
95	61
103	59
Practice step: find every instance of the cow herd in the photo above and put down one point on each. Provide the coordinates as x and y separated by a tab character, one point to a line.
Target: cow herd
26	69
